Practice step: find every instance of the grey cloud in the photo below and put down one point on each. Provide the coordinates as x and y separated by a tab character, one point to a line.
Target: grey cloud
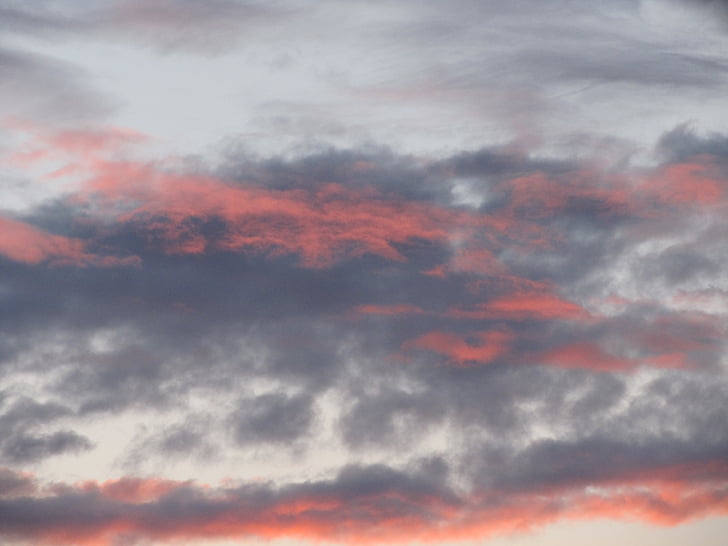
559	462
562	405
26	412
679	265
41	17
148	337
360	501
390	418
528	58
15	484
713	9
182	439
355	490
192	26
677	419
38	86
615	63
26	448
692	407
195	438
208	28
272	418
22	439
684	143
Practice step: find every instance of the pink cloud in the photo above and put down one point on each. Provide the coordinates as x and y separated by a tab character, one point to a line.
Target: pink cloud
162	510
24	243
523	306
481	348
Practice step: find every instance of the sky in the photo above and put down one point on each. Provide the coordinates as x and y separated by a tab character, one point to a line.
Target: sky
364	272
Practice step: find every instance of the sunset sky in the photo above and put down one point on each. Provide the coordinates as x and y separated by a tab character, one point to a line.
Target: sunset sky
360	272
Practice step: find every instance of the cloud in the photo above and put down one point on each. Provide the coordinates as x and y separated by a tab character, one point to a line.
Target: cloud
366	504
41	86
683	144
456	272
471	370
272	418
24	243
22	442
185	26
486	346
523	306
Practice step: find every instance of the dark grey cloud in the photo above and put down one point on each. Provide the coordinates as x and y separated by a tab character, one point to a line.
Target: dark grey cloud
272	418
683	144
25	448
389	417
22	439
15	484
678	265
591	460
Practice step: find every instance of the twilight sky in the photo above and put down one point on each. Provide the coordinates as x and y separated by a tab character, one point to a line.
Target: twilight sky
363	272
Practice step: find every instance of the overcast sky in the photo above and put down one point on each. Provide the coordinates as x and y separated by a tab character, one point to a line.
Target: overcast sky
363	272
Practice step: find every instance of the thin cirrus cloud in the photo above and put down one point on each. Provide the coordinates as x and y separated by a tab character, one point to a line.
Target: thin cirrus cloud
347	340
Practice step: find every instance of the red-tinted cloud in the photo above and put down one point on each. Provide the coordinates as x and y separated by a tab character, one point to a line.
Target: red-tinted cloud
474	260
520	306
131	490
684	184
480	348
540	196
321	224
394	309
98	515
679	333
665	342
326	223
587	355
79	148
24	243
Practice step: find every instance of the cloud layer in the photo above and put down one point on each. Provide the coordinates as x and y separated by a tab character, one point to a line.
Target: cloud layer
540	333
352	338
